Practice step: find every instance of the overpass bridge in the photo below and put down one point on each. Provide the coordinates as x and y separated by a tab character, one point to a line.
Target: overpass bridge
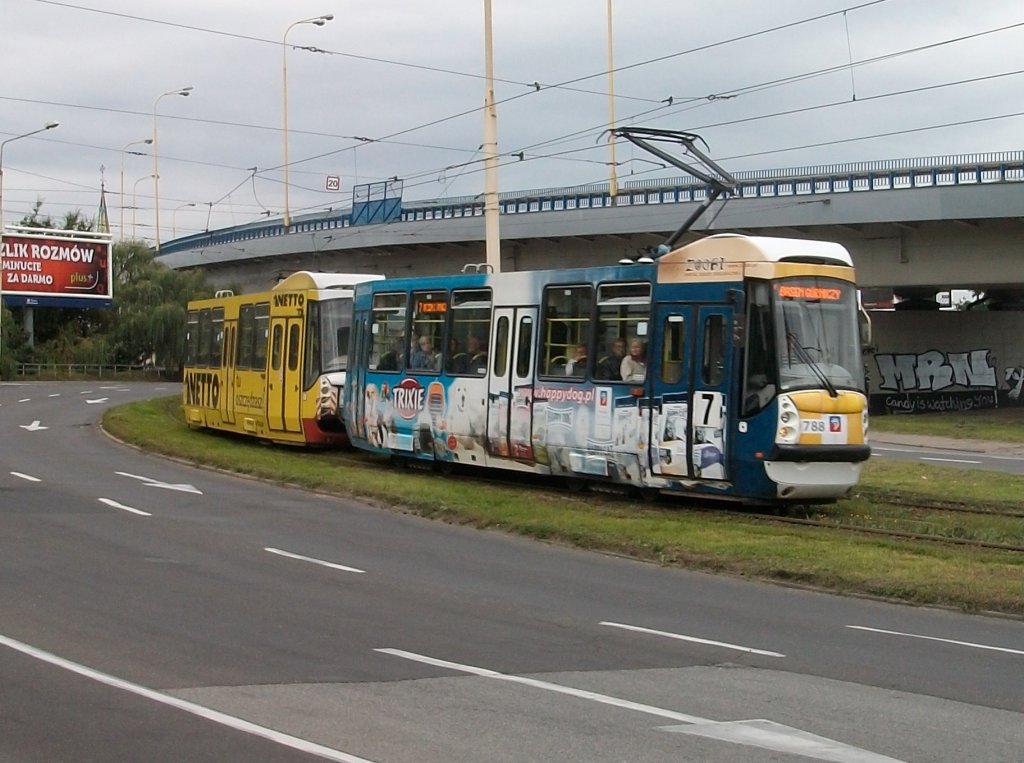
916	226
913	227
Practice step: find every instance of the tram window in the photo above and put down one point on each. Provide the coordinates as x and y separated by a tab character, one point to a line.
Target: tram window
276	342
673	344
261	335
245	331
192	338
205	332
312	366
469	327
713	362
428	311
501	347
623	310
567	320
523	347
387	327
217	337
293	346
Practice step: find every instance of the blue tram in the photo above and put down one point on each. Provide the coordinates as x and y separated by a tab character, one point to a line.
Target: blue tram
730	367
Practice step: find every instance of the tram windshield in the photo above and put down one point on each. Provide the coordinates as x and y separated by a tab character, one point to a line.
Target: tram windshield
330	324
817	339
801	333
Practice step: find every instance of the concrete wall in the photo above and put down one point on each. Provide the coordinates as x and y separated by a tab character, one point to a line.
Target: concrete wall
949	360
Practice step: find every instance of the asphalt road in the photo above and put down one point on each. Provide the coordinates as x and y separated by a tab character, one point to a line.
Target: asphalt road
152	611
945	451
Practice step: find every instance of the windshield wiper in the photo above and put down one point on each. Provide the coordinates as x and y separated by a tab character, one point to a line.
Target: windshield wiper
797	348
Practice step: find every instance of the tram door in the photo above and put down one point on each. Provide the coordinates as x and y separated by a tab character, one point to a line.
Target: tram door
510	385
689	386
284	378
227	397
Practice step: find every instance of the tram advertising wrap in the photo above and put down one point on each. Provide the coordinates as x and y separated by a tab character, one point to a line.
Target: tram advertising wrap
51	268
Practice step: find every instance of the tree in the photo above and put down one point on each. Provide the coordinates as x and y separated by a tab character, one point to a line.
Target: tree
150	303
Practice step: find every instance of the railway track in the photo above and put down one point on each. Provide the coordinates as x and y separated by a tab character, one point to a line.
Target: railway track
888	508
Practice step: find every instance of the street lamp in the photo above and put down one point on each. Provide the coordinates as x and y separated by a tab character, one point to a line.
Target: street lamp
174	217
156	169
134	187
147	142
317	21
48	126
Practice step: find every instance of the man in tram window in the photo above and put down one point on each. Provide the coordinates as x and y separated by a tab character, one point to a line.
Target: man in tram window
477	352
609	367
392	359
577	365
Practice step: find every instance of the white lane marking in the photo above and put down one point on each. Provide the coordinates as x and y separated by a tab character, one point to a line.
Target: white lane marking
116	505
25	400
98	400
224	719
311	560
54	394
604	699
150	482
951	460
694	639
751	733
28	477
35	426
970	644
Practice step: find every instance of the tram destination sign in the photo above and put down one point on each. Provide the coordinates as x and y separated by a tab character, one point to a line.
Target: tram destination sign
56	268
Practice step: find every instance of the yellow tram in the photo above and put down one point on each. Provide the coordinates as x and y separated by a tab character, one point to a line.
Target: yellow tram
272	365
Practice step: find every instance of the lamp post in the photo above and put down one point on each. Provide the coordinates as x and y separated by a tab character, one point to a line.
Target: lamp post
134	188
184	91
317	21
48	126
613	183
174	217
147	142
44	128
492	232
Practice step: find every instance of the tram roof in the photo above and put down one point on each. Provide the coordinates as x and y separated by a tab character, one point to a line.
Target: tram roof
734	247
306	279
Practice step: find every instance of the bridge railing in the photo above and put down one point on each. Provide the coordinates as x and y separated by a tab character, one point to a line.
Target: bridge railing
882	175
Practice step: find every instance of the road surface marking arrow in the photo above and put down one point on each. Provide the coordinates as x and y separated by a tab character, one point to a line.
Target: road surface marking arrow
35	426
184	488
121	506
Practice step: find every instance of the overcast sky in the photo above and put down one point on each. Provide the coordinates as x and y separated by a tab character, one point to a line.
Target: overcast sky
767	83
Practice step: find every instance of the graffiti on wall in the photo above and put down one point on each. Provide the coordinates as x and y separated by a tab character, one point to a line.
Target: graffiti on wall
934	380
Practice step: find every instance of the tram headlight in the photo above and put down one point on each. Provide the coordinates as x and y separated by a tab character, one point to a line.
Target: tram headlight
788	430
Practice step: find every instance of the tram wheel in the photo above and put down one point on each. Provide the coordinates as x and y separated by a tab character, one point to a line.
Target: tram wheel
576	484
445	468
648	494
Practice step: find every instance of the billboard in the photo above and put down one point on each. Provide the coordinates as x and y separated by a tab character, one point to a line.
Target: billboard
56	268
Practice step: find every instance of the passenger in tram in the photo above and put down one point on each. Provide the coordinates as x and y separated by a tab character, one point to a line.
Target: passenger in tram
634	365
577	365
477	352
423	357
456	360
609	367
392	359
